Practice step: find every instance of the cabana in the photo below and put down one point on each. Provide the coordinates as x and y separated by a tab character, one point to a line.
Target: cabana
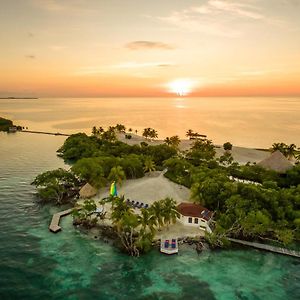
276	162
87	191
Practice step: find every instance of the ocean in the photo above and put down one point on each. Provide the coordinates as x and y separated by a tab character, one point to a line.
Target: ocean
248	122
37	264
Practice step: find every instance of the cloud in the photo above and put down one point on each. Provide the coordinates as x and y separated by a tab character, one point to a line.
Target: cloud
135	65
215	17
30	56
140	45
122	66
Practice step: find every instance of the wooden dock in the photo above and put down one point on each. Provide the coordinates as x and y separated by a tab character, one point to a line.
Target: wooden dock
269	248
44	132
54	225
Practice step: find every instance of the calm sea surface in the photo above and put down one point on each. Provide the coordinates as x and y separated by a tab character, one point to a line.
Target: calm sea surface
250	122
37	264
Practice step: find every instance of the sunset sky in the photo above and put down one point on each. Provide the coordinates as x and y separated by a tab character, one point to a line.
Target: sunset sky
94	48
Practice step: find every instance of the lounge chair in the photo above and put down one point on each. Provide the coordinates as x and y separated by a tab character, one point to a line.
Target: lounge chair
173	245
132	203
167	244
146	205
137	204
141	205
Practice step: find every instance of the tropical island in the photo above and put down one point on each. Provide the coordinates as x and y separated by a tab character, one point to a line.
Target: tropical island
166	189
8	125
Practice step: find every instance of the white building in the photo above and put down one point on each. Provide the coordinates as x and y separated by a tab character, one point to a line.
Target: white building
195	215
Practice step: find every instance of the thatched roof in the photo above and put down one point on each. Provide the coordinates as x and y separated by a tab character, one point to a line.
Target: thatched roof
87	191
276	162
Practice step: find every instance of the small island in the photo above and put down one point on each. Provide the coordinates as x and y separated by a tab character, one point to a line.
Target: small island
8	126
16	98
136	193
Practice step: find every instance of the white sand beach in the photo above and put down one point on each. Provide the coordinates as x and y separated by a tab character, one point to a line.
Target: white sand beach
241	155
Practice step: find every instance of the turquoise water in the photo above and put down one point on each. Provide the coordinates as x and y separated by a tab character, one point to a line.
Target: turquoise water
36	264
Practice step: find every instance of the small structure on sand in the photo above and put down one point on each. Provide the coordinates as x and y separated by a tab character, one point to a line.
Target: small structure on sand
276	162
87	191
195	215
169	246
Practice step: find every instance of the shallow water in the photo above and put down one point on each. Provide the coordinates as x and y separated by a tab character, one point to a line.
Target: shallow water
37	264
249	122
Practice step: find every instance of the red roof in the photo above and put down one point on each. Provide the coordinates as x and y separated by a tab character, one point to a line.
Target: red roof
194	210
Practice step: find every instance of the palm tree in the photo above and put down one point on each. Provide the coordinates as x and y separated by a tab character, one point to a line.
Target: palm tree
280	147
167	140
120	128
175	141
117	174
149	165
291	151
119	209
94	130
189	133
156	210
147	220
153	134
129	129
170	211
100	130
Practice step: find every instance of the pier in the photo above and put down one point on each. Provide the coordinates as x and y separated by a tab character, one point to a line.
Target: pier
269	248
54	225
44	132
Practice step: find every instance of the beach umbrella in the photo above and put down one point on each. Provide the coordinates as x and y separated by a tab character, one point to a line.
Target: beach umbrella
113	189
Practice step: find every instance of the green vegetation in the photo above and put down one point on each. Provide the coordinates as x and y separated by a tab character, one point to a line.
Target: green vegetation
150	133
5	124
57	186
227	146
173	141
267	209
289	151
136	231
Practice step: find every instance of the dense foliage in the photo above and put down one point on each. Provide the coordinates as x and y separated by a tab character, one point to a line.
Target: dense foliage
268	208
136	231
57	186
5	124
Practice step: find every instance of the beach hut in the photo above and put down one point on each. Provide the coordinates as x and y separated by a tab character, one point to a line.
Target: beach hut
276	162
87	191
195	215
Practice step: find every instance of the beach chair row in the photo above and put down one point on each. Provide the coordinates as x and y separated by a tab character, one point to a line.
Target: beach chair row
136	204
168	245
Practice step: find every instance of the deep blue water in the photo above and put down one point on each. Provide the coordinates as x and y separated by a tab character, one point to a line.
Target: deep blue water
36	264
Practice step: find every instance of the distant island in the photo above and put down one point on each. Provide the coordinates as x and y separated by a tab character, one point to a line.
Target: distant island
15	98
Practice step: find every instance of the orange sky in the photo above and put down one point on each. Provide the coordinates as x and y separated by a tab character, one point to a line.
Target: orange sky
77	48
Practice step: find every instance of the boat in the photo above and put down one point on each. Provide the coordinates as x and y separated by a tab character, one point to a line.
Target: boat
169	246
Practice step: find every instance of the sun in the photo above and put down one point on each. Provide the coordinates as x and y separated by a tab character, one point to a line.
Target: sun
181	87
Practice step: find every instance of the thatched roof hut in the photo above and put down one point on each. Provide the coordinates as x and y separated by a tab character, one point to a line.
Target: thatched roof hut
87	191
276	162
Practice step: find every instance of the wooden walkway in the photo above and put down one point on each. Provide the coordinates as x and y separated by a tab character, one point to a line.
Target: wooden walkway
54	225
270	248
44	132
